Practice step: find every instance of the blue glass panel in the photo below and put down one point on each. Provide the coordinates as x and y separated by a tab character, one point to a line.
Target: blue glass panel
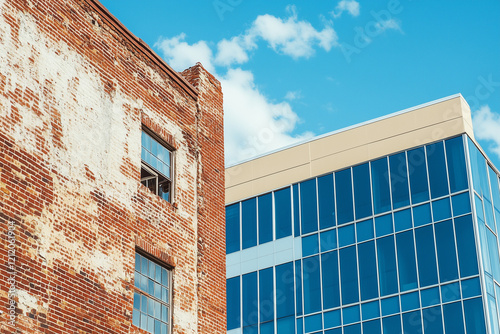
298	291
233	303
310	245
348	275
300	325
488	212
383	225
387	266
479	172
251	329
250	302
380	186
332	319
410	301
249	223
450	292
313	323
483	241
390	305
466	246
471	287
412	323
367	270
312	290
406	261
334	331
447	255
441	209
350	314
232	228
479	207
325	201
402	220
399	180
308	206
286	325
497	289
392	325
296	211
490	286
372	327
266	297
474	316
346	235
330	276
265	218
422	215
284	290
492	307
353	329
328	240
418	175
453	318
455	155
494	258
461	204
283	213
267	327
364	230
370	310
437	170
344	196
362	192
433	322
430	296
426	256
494	188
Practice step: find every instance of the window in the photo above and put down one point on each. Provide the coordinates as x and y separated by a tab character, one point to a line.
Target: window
156	166
152	296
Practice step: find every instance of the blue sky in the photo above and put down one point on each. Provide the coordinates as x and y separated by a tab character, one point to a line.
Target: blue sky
292	70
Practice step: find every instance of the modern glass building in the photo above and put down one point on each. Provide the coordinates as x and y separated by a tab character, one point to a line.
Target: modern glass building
386	227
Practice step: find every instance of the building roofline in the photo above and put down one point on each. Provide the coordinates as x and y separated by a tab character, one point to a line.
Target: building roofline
350	127
143	47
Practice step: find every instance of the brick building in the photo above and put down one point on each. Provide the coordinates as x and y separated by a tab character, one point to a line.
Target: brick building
87	113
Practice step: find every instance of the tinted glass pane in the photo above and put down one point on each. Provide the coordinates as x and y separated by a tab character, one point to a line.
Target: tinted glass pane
488	210
308	206
346	235
387	266
466	246
456	164
494	258
402	220
286	325
265	218
399	180
418	175
344	196
250	302
283	213
364	230
367	270
313	323
232	228
249	223
383	225
412	323
267	328
372	327
410	301
422	215
390	305
450	292
251	329
392	325
453	318
437	169
447	256
310	245
328	240
332	319
266	300
353	329
351	314
348	275
296	210
370	310
474	316
284	290
406	261
471	288
233	303
461	204
430	296
494	187
325	201
433	320
380	184
330	276
441	209
362	192
478	169
298	290
426	255
312	290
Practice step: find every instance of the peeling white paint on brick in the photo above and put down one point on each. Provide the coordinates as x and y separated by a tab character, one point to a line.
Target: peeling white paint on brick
26	302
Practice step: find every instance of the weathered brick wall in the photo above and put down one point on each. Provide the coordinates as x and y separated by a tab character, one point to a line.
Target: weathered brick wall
75	90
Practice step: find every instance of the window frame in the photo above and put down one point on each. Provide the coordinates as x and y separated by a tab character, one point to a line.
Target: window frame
151	170
136	289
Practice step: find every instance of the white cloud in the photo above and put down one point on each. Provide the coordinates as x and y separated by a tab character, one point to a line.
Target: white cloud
350	6
487	127
254	124
232	51
293	95
181	55
387	25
